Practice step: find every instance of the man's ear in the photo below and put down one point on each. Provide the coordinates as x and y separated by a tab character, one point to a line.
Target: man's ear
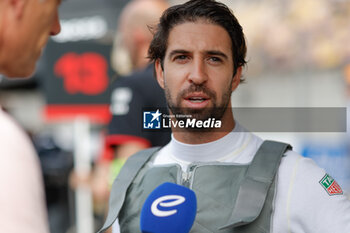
237	78
17	7
159	73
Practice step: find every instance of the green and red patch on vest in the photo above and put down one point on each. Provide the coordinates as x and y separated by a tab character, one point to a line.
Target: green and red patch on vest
330	185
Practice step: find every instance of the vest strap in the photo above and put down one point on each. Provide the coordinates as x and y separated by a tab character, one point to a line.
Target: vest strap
253	191
122	182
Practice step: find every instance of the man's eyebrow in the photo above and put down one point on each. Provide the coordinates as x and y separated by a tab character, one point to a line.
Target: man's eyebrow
178	51
209	52
217	53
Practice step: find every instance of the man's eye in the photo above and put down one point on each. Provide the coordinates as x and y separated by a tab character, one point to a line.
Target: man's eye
181	57
215	59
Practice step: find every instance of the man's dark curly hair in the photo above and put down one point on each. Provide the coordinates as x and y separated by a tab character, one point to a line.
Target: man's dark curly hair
192	11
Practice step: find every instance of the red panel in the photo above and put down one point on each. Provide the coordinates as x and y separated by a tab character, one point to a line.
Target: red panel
114	140
98	113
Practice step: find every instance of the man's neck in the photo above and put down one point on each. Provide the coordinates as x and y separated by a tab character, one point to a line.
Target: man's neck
205	136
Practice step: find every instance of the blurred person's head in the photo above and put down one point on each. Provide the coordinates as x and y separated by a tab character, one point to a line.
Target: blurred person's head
208	11
133	35
25	26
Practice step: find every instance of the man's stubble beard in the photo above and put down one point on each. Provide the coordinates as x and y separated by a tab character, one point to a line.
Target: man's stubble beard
217	111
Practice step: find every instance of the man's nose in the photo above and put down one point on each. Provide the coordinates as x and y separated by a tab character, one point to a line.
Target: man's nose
198	73
56	26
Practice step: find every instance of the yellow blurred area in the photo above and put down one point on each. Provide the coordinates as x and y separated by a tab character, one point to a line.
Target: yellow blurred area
295	34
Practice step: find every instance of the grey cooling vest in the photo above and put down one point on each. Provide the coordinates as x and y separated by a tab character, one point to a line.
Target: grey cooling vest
230	197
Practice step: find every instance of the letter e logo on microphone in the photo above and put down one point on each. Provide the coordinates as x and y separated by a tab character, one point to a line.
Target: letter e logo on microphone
169	208
178	200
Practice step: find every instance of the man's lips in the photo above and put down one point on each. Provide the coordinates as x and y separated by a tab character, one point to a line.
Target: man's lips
196	97
196	100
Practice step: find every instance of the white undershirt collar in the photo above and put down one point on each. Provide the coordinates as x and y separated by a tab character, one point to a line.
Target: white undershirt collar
206	152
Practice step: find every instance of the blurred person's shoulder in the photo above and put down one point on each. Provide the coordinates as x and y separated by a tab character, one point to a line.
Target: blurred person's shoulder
17	153
9	127
21	177
12	136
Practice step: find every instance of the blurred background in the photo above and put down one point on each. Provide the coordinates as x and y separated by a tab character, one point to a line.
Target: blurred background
298	56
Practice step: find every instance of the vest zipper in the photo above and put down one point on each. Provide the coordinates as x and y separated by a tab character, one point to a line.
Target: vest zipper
187	176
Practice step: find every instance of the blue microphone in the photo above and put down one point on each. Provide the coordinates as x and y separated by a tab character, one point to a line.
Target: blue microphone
170	208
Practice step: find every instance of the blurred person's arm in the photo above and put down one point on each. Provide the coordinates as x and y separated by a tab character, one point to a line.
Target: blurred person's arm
106	171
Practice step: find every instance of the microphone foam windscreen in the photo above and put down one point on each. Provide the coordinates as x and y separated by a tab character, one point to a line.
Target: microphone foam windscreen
170	208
